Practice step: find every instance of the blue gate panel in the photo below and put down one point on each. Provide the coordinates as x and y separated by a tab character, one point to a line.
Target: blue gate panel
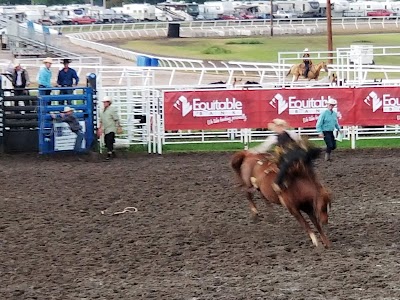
53	135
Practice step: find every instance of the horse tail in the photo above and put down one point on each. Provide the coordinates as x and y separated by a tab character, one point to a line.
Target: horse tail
237	161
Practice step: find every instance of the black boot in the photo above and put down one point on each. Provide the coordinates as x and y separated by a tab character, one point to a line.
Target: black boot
108	156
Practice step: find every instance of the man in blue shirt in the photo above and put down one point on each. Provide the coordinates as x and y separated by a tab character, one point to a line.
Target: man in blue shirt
326	124
66	77
44	76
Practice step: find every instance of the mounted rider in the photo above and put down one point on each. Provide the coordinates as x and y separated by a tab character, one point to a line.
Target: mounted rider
289	148
307	62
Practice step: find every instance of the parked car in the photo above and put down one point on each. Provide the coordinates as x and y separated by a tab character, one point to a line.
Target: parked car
380	13
123	18
51	20
283	14
265	16
83	20
247	16
229	17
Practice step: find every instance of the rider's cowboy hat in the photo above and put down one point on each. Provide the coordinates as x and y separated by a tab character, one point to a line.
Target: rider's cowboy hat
331	102
16	63
67	109
277	123
107	99
306	50
48	60
66	61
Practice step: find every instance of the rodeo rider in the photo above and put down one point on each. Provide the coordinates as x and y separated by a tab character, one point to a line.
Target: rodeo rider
307	62
289	144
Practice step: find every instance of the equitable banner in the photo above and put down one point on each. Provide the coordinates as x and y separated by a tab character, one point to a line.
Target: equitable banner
224	109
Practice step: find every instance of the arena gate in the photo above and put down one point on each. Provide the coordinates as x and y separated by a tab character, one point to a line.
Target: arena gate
26	124
56	136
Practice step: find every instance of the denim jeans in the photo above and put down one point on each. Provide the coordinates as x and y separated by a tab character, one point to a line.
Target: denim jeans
78	142
330	141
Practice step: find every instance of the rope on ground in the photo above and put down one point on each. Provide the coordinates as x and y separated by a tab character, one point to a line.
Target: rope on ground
126	209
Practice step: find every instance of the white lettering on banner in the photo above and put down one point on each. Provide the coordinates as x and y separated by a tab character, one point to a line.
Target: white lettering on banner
221	111
388	103
226	119
310	119
299	106
217	108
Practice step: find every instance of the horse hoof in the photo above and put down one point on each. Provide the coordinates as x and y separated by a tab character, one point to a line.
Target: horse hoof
255	219
327	244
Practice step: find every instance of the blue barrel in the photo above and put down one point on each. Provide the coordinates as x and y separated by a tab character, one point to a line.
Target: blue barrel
147	61
154	62
143	61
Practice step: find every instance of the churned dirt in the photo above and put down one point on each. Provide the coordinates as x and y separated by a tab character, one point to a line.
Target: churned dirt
192	236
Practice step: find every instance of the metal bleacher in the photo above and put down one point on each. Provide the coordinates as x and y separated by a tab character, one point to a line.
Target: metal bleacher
33	40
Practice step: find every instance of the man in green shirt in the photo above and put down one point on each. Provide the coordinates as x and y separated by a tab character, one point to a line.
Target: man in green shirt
108	125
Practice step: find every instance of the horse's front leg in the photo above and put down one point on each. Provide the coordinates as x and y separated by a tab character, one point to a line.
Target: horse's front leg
299	217
317	225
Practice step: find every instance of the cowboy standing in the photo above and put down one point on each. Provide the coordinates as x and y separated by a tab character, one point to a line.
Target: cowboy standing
44	76
67	115
20	79
326	124
307	62
288	143
109	121
66	77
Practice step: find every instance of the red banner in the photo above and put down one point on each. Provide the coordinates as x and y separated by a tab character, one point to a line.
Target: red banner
301	107
224	109
377	106
219	109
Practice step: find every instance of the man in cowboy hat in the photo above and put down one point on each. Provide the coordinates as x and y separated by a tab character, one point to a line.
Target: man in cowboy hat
108	125
44	76
307	62
288	142
20	79
67	116
326	124
66	77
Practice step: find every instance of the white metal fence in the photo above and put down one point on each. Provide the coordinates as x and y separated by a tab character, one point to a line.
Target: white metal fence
137	91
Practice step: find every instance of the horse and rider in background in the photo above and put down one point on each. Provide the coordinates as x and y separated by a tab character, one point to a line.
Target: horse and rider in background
307	69
286	177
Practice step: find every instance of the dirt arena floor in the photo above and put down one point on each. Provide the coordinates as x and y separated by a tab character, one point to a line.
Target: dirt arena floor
192	237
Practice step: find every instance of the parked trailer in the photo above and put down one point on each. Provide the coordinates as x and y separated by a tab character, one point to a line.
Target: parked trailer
141	12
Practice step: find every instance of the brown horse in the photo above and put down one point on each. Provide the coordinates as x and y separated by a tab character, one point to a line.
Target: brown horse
304	193
298	70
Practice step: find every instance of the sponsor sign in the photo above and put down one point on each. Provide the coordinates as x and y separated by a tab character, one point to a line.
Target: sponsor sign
301	108
377	106
224	109
211	109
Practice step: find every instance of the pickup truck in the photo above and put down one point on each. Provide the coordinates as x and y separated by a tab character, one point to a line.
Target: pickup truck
83	20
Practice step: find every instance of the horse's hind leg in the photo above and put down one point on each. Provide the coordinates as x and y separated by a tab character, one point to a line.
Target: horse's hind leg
253	208
299	217
324	238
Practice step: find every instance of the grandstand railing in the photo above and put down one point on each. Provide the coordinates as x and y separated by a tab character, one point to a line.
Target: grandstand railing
162	27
